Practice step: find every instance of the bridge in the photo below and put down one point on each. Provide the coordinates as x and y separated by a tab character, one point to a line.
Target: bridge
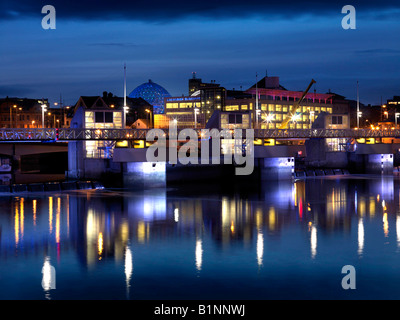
74	134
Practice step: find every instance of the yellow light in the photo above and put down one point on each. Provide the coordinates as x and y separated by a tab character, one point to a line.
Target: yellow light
16	226
34	211
232	227
100	244
385	224
50	214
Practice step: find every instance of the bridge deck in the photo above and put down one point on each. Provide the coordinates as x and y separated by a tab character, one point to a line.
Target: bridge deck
71	134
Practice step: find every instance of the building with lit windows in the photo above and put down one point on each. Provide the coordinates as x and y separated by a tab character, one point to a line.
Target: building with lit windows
275	102
212	95
184	111
24	113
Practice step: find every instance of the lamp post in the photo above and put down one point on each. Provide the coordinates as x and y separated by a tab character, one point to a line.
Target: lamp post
196	111
14	106
359	115
149	112
312	113
43	110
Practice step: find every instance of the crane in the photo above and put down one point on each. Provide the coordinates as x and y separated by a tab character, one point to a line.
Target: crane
295	107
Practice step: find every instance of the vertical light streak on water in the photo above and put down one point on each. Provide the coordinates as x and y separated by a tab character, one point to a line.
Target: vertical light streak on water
22	216
398	230
260	248
50	215
199	254
360	237
34	209
58	218
313	241
16	226
128	268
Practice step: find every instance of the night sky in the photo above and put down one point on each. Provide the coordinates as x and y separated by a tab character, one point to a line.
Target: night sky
226	41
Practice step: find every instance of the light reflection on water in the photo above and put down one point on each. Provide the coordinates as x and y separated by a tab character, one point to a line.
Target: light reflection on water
279	240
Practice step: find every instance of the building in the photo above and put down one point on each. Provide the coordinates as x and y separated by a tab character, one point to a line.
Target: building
184	111
212	95
274	102
23	113
153	93
138	108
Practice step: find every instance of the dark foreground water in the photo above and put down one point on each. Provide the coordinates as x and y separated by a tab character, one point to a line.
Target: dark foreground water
285	240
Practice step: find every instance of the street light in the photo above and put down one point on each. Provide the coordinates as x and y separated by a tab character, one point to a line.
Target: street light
359	115
43	110
258	112
149	112
14	106
196	111
396	115
312	113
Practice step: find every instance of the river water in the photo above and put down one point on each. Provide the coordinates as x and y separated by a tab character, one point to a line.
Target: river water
279	240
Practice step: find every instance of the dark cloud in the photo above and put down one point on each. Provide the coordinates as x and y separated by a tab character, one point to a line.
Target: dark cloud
15	90
164	11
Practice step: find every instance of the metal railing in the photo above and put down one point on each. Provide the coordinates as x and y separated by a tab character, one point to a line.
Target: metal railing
71	134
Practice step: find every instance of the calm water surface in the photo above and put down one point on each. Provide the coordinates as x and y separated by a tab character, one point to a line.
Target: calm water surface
286	240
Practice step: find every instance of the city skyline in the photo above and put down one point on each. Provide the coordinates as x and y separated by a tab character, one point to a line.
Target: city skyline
228	42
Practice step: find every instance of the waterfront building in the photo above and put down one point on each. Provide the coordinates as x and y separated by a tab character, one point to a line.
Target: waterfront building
274	103
184	111
268	96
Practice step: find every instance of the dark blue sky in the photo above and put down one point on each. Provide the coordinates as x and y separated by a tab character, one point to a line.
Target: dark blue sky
226	41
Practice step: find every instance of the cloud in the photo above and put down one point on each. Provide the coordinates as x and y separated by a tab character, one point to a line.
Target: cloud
166	11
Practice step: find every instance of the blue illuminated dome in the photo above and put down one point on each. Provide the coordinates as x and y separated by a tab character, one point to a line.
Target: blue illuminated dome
153	93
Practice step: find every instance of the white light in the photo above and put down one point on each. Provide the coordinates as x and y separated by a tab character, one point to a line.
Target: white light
295	117
128	265
260	248
360	236
270	117
313	241
199	254
176	214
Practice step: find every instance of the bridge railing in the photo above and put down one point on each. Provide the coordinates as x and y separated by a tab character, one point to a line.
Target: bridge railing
74	134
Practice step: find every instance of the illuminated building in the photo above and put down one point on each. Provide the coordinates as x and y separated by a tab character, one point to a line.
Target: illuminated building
23	113
184	110
212	95
153	93
274	103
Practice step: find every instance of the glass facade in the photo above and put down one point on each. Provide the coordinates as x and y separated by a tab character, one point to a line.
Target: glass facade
101	120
